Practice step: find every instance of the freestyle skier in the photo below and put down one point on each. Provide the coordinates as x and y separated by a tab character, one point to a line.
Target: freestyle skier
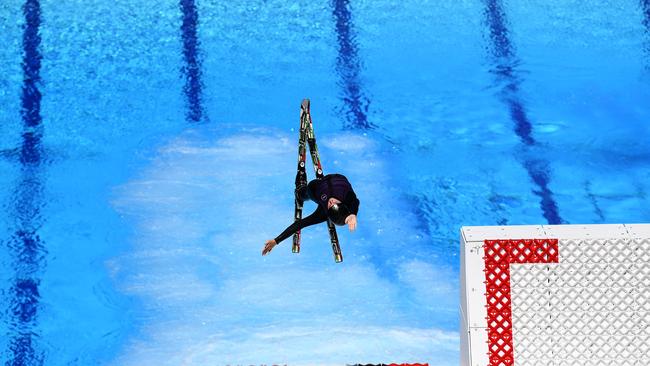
337	202
335	199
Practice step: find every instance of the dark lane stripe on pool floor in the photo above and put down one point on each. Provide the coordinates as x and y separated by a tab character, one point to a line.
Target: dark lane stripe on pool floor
193	88
505	61
645	8
26	248
348	67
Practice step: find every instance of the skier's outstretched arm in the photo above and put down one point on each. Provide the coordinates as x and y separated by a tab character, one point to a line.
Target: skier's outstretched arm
318	216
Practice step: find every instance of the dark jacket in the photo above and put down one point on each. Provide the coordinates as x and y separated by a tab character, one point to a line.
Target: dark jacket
320	191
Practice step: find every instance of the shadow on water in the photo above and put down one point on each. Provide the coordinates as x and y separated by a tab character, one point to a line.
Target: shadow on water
507	75
348	67
193	88
25	246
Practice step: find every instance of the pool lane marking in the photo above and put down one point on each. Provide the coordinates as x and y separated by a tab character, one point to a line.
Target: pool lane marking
506	62
645	8
348	67
193	87
25	244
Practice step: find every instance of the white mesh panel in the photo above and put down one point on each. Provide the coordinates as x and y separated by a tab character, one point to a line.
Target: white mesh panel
591	308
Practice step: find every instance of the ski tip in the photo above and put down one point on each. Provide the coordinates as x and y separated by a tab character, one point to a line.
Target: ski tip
305	104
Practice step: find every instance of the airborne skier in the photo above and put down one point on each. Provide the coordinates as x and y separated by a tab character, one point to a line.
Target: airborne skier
336	201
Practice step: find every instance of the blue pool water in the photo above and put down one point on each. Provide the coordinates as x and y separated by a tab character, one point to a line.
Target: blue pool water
148	149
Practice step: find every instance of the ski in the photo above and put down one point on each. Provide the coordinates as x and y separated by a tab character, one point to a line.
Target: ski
301	175
307	133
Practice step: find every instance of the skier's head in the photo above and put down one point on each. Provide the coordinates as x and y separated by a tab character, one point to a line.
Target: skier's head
337	213
332	201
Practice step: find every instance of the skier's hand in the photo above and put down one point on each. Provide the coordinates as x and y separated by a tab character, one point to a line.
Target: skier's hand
351	221
268	246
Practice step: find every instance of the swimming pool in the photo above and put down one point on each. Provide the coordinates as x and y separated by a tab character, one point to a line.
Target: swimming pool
147	151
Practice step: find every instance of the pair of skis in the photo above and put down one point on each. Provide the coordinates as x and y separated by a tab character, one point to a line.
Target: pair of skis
308	138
